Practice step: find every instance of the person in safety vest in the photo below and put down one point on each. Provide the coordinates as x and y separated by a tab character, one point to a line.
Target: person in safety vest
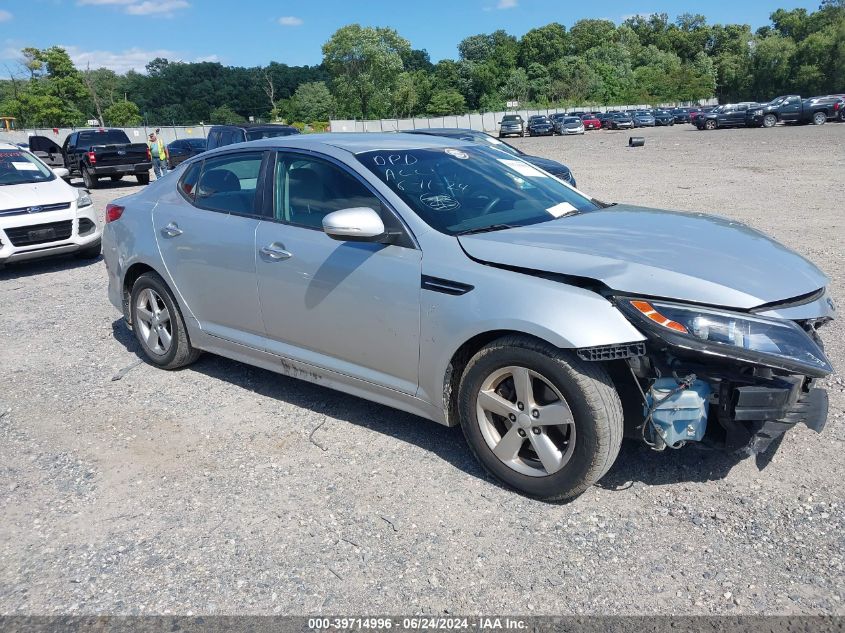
158	152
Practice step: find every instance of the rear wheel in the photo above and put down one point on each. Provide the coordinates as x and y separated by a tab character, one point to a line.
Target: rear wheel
538	418
819	118
116	178
770	120
710	124
143	179
158	324
90	180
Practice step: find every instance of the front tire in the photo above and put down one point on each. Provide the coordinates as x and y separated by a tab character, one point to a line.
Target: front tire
158	324
565	435
770	120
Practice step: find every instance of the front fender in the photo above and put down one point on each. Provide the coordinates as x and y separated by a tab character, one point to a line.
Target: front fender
566	316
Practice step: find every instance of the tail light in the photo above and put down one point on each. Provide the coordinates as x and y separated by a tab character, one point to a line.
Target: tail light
149	155
92	158
113	212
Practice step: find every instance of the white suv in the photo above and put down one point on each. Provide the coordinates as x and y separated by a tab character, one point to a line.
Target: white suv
40	214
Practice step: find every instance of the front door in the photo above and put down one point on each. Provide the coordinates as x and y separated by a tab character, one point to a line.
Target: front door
206	234
790	110
351	307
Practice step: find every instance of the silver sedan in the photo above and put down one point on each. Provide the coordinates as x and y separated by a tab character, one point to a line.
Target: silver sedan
467	286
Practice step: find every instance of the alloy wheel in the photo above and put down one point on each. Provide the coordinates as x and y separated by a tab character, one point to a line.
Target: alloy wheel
525	421
153	321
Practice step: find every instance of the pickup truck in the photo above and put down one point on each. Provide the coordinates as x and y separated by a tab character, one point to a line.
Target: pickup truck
93	154
727	115
794	109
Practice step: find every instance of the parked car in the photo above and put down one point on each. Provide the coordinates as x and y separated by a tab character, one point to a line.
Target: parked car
182	149
664	117
511	125
619	121
559	170
571	125
557	117
220	135
94	154
40	214
794	109
681	115
643	118
518	308
694	112
591	121
540	125
728	115
604	118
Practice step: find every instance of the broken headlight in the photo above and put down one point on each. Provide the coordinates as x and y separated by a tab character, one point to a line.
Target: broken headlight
759	340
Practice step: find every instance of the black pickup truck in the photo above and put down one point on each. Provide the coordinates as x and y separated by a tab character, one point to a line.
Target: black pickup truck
794	109
727	115
93	154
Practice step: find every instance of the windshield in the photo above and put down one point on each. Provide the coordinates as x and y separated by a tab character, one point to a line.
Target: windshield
473	188
102	137
19	167
572	119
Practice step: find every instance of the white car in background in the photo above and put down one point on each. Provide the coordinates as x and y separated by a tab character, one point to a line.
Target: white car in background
40	214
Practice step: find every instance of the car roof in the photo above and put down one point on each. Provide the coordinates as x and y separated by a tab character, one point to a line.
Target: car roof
357	142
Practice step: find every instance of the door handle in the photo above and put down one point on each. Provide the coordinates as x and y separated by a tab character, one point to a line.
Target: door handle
276	251
171	230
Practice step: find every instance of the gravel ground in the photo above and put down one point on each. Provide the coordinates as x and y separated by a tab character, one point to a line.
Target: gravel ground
198	491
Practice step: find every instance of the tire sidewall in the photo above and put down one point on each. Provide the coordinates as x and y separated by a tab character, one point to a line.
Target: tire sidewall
769	121
156	283
570	480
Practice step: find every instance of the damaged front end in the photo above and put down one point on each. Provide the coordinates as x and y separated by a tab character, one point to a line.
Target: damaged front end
730	380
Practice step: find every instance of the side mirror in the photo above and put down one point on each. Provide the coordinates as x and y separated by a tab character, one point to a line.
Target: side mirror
61	172
358	224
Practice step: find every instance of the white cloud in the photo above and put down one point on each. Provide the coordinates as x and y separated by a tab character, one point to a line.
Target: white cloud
5	16
506	4
137	7
290	20
163	7
130	59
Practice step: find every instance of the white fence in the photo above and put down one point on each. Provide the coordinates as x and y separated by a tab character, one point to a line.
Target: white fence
485	121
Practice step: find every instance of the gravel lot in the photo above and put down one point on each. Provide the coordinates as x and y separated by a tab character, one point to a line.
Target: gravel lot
198	491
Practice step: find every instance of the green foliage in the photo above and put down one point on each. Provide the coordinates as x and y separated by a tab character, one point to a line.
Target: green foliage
224	114
364	63
312	102
446	102
122	114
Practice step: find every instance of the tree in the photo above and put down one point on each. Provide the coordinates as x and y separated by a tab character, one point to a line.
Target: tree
312	102
587	34
445	102
543	45
364	63
516	86
122	114
223	115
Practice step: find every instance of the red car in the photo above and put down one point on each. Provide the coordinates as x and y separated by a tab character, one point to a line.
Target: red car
590	122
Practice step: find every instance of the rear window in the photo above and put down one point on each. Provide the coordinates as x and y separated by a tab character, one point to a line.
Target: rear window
102	137
254	135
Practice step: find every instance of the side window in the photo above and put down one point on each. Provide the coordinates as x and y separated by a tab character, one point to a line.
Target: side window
188	182
229	183
213	137
307	189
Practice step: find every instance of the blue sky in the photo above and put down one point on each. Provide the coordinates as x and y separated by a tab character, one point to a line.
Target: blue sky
123	34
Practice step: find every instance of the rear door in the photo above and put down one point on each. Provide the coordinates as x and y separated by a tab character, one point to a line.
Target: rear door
351	307
206	234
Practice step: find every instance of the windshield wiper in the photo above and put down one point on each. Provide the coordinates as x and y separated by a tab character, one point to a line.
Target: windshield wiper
487	229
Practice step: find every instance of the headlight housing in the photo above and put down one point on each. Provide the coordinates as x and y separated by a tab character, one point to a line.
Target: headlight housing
757	113
776	343
83	199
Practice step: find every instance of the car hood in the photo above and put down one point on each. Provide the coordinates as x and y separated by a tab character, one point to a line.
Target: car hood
551	166
35	194
670	254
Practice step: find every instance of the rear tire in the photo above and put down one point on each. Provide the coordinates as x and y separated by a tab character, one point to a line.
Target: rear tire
710	124
116	178
158	324
143	179
579	440
819	118
90	180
